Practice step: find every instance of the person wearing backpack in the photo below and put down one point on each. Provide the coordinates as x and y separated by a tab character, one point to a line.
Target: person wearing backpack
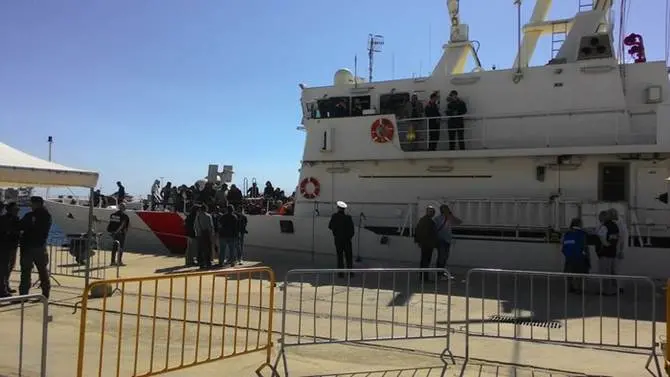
574	247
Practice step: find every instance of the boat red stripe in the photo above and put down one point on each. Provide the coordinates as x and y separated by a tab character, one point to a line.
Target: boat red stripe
168	228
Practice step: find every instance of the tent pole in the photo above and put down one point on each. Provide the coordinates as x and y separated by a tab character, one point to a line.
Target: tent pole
89	237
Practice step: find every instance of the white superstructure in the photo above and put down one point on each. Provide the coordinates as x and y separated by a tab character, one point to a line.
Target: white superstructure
543	144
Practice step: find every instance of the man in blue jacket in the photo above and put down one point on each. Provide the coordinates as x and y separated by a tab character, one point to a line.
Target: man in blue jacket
574	247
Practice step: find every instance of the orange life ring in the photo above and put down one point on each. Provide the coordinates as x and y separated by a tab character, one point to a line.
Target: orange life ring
308	193
382	130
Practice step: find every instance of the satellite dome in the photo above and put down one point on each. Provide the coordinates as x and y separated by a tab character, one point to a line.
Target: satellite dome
343	77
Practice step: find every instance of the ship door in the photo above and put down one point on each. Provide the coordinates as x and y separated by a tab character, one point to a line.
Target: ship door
650	185
613	182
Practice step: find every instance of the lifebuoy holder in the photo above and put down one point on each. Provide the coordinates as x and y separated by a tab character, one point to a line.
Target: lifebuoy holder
310	188
382	130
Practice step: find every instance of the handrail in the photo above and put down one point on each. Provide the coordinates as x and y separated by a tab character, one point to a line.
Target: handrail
476	116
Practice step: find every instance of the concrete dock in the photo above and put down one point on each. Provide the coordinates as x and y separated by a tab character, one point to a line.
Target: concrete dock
388	325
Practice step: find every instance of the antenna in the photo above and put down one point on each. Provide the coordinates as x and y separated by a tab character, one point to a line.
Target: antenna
375	43
356	71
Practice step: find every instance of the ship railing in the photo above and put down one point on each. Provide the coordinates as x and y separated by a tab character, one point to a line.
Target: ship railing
576	128
502	214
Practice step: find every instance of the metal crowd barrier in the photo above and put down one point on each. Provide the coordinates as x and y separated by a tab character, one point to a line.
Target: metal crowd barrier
395	304
8	322
68	257
160	324
606	312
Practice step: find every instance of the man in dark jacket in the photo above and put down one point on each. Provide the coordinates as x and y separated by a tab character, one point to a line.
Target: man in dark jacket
426	237
229	238
191	242
608	236
242	229
455	124
10	232
342	226
35	226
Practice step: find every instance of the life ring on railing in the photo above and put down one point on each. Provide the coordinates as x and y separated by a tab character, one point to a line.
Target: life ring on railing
310	188
382	130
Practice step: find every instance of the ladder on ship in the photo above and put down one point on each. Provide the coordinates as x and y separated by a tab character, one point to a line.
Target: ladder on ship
559	32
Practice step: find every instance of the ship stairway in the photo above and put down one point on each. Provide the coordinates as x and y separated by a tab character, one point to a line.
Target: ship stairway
559	32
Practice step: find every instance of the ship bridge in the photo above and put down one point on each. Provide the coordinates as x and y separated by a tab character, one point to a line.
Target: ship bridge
583	101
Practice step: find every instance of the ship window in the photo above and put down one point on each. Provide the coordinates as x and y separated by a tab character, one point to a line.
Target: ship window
393	104
328	108
359	104
311	110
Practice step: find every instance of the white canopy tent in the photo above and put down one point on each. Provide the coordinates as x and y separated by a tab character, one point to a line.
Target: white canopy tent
21	169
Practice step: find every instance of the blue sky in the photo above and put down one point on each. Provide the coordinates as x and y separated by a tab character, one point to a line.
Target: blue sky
141	89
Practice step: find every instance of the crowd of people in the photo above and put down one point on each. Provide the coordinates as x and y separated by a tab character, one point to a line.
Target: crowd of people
182	198
215	233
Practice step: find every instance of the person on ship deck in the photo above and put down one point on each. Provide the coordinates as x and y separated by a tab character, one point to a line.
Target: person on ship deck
221	196
165	195
253	191
269	191
155	194
120	193
456	107
414	110
432	110
235	197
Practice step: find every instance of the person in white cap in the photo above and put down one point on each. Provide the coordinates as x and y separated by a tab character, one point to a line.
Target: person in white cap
342	226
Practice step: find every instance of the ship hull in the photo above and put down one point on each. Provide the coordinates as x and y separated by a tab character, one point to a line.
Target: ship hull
159	233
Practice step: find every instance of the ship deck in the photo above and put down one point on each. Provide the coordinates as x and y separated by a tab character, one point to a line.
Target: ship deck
488	356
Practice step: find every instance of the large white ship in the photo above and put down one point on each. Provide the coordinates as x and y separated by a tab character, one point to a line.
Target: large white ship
543	144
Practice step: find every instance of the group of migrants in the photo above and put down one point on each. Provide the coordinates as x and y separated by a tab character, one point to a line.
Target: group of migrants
27	237
182	198
215	232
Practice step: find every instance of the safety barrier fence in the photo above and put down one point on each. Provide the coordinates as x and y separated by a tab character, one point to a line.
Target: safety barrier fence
159	324
365	306
605	312
30	338
68	256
